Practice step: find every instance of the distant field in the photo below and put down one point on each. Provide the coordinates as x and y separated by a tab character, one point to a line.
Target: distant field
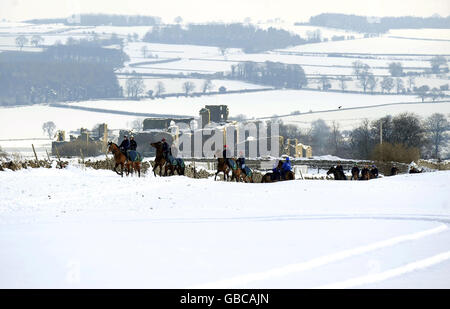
379	45
175	85
261	104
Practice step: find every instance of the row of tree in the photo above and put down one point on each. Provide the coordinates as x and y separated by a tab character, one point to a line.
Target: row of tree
366	24
59	73
247	37
135	88
275	74
102	20
407	133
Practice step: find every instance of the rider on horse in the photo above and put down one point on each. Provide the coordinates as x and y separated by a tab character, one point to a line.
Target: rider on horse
226	154
355	172
374	171
365	171
241	164
133	144
286	167
166	149
340	169
125	145
276	172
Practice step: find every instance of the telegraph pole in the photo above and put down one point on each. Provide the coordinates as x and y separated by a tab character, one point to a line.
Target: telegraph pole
381	132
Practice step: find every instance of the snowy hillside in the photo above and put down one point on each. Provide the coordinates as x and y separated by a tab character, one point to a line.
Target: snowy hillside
91	229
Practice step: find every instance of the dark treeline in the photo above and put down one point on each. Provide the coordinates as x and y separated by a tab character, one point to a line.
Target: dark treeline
405	138
247	37
59	73
270	73
102	19
275	74
377	25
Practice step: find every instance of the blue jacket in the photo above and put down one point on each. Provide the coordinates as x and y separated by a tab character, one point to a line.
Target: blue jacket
286	166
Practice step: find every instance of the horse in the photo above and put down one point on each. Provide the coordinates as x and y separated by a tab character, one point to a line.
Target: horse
367	176
159	159
235	173
178	166
246	178
119	157
337	174
223	167
134	165
268	177
414	170
355	174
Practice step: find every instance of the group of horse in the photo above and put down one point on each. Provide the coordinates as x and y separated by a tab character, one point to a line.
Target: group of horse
170	165
339	175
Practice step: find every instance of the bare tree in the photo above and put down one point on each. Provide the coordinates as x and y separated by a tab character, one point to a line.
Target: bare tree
336	139
437	127
362	72
188	87
135	86
372	83
144	51
411	82
137	125
438	63
342	79
399	84
160	89
387	84
223	50
178	20
36	40
49	128
422	91
207	85
325	82
21	40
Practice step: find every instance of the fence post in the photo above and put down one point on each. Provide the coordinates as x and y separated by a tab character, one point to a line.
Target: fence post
82	157
35	155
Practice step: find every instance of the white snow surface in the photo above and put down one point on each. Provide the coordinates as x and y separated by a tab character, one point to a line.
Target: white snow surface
80	228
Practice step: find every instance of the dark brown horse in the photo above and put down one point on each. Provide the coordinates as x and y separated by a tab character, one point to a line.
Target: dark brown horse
222	167
159	159
338	175
235	173
119	157
355	174
269	177
246	178
134	166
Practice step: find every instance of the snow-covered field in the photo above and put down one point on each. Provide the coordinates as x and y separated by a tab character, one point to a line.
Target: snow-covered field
175	85
378	45
426	33
92	229
259	104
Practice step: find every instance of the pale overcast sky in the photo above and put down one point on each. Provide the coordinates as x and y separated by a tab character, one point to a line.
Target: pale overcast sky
224	10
